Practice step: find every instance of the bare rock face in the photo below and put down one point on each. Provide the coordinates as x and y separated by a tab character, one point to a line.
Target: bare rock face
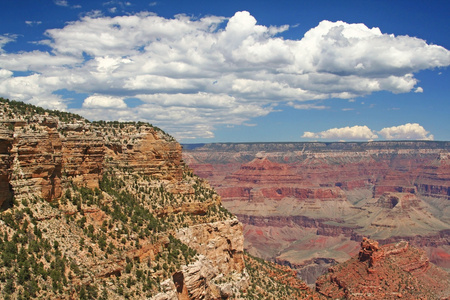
203	280
148	153
37	160
83	155
41	156
220	248
37	155
385	272
221	242
6	192
198	279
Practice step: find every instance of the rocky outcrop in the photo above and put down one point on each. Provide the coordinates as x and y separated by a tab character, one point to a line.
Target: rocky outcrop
83	153
39	154
6	138
221	242
37	160
385	272
147	152
202	280
218	272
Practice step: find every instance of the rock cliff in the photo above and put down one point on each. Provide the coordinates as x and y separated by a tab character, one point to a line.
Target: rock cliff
391	271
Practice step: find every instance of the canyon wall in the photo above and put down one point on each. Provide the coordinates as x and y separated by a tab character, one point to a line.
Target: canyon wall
115	210
308	205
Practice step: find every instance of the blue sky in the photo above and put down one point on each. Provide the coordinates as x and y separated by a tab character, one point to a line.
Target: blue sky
236	71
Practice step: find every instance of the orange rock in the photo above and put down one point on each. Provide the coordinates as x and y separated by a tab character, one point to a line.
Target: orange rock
380	272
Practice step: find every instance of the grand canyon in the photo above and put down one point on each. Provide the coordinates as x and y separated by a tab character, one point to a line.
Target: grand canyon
112	210
309	205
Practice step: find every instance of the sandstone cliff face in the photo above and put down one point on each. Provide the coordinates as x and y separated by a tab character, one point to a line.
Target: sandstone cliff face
40	153
83	154
386	272
6	192
147	152
221	242
304	204
219	273
37	160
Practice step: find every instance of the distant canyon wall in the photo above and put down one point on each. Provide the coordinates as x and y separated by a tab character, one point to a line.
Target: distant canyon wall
302	202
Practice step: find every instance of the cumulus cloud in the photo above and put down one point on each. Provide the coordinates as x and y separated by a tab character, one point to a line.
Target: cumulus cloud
5	73
211	71
99	101
409	131
345	133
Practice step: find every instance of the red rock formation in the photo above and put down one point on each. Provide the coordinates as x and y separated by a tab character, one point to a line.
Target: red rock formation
37	160
387	272
148	153
83	155
40	154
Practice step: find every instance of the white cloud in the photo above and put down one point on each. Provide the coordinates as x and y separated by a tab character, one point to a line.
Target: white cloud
32	23
418	90
210	71
5	73
409	131
5	39
307	106
37	61
99	101
345	133
309	135
61	2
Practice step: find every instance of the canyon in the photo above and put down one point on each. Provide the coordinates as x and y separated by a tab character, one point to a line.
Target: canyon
111	210
308	205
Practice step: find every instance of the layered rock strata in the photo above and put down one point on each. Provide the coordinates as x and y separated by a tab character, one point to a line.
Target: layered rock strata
309	204
39	154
